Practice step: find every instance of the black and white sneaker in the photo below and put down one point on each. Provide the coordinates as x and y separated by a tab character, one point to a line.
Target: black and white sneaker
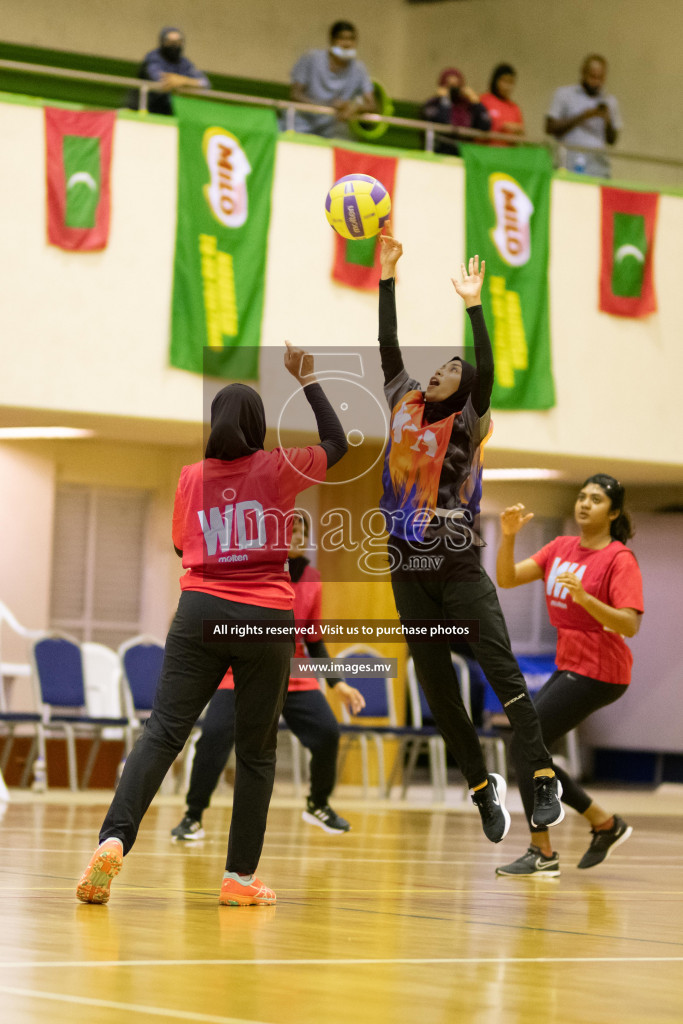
325	818
548	809
604	841
188	829
533	862
490	802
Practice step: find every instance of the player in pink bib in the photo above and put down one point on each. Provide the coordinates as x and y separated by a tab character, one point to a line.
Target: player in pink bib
594	594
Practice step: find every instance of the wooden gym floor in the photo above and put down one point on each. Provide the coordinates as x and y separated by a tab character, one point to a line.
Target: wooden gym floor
401	920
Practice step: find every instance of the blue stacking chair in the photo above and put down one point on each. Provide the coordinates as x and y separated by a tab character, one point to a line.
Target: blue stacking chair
141	660
379	700
61	699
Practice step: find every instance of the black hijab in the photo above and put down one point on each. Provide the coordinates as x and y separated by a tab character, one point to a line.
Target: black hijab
238	423
434	411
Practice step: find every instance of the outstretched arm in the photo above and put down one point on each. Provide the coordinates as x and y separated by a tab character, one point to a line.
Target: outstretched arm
330	430
469	289
508	572
391	251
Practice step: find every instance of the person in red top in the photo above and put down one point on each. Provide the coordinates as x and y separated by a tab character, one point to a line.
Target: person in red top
306	712
506	117
232	524
594	594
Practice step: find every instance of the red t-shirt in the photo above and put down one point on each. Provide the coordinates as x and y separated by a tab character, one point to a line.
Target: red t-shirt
233	523
501	112
613	577
307	603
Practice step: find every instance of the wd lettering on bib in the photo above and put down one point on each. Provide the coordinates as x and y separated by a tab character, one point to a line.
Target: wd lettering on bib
250	529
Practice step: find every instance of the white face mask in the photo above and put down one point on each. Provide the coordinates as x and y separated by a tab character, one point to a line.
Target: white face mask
341	54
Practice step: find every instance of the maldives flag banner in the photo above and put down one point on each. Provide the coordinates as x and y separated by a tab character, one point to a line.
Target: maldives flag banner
628	235
226	160
356	263
78	168
507	210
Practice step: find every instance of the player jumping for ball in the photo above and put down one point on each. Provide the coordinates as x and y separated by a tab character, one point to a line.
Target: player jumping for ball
431	493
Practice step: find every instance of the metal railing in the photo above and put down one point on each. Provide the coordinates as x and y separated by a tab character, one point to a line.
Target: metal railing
289	109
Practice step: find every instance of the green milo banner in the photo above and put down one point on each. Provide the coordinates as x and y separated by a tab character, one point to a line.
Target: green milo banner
226	157
507	201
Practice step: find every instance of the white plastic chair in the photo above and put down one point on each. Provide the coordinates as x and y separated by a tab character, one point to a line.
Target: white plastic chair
11	719
103	697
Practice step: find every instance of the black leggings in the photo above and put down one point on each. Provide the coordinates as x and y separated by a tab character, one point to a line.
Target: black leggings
425	596
565	701
307	714
190	674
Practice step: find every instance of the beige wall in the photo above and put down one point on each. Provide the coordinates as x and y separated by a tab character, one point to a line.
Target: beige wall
27	484
88	333
404	46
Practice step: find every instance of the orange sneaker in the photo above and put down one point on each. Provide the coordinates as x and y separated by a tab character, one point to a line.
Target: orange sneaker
104	866
255	894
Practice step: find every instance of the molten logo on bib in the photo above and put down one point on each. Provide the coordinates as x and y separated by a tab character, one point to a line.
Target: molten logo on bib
229	168
513	209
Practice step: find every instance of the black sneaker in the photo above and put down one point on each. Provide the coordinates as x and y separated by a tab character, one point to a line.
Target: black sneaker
490	801
604	841
188	829
548	809
533	862
325	818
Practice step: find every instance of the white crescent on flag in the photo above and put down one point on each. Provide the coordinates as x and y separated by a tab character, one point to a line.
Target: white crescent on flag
84	177
628	250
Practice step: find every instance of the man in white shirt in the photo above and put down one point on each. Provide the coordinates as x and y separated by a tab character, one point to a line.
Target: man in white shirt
333	78
585	117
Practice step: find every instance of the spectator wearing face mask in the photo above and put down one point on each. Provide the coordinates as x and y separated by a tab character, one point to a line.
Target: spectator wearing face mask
334	78
168	66
455	103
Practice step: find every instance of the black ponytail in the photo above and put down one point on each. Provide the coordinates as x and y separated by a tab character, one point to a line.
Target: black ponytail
621	528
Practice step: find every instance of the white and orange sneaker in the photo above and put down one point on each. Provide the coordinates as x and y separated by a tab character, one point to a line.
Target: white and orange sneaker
247	893
104	866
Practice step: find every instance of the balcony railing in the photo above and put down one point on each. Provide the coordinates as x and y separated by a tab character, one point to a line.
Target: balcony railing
671	167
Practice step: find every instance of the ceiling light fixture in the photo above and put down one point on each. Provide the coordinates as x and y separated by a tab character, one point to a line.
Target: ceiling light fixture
528	473
42	433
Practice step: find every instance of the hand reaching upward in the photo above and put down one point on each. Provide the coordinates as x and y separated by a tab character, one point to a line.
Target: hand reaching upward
469	288
390	252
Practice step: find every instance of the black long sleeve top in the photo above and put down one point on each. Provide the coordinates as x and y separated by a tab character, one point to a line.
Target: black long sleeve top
392	360
330	430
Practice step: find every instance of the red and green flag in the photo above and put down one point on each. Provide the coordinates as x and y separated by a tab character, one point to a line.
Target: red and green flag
356	262
507	217
226	159
78	167
628	235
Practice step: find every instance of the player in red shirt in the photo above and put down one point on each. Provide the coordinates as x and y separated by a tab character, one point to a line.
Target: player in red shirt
306	712
506	116
232	524
594	594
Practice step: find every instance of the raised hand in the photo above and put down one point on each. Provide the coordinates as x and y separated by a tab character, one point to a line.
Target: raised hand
299	364
469	288
390	252
513	519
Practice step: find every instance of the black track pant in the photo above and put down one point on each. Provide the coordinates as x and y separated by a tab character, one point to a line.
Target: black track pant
424	596
191	672
307	714
562	704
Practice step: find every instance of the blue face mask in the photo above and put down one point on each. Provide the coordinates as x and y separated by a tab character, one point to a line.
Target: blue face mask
341	54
